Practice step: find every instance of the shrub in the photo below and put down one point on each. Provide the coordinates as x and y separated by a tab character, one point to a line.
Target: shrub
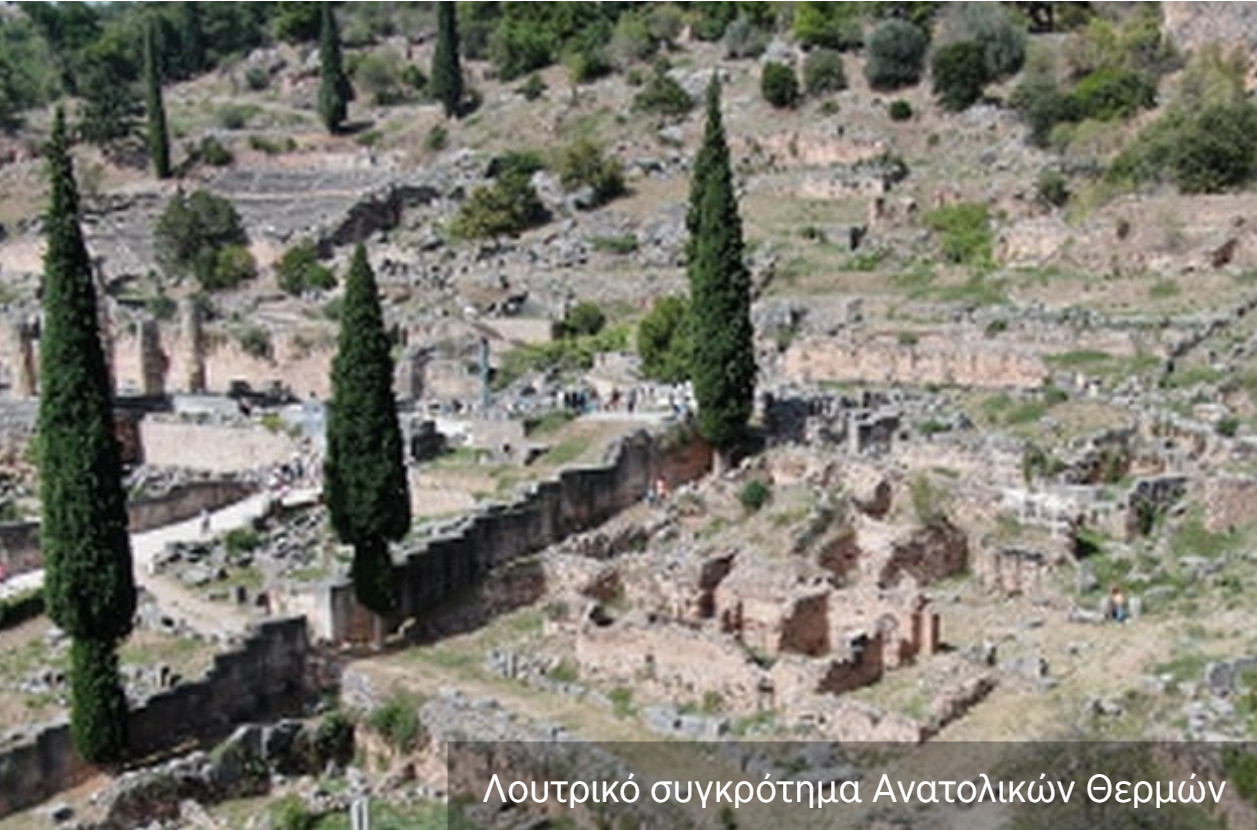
663	96
588	63
899	110
711	21
584	165
754	495
255	341
299	270
632	40
1107	94
291	813
212	152
663	341
241	540
823	71
398	721
518	47
227	268
533	88
965	230
896	55
516	163
779	85
585	319
334	738
271	147
833	25
257	79
507	207
380	75
234	116
999	36
743	39
436	139
1043	105
1205	150
1052	188
959	74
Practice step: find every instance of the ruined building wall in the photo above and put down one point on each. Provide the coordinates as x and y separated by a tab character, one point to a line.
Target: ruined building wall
577	500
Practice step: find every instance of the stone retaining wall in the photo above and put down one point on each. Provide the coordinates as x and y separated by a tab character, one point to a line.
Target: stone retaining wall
265	678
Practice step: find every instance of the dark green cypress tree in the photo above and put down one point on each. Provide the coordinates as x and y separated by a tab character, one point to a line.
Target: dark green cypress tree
364	475
335	92
722	347
447	73
89	585
158	136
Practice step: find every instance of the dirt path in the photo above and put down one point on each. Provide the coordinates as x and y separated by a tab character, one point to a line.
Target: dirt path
212	619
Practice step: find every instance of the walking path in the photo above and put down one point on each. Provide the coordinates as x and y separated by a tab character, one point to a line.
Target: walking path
212	619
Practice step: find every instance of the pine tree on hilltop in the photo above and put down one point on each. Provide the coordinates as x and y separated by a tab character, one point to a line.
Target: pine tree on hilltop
158	136
447	73
335	92
89	585
364	475
722	348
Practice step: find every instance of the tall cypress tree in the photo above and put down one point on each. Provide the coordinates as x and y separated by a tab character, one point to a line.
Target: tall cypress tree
364	475
335	92
89	585
447	73
723	349
158	137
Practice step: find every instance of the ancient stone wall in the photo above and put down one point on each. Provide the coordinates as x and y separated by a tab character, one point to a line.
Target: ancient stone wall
214	448
1230	501
935	359
264	679
577	500
184	502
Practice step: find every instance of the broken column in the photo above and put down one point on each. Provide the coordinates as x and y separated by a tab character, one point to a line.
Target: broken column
21	348
193	345
152	360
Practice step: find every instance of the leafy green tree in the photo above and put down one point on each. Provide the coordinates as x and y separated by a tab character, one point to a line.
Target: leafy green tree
823	71
298	22
447	73
335	92
959	72
832	25
106	80
996	31
662	95
201	235
896	55
299	270
158	137
779	85
364	477
663	340
89	585
723	349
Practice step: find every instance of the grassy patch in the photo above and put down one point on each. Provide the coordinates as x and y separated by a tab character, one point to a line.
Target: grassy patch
621	698
1191	538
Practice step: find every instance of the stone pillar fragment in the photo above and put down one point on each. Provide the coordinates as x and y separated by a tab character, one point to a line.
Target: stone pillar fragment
193	345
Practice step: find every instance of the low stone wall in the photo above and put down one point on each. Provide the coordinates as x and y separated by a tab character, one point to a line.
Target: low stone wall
184	502
19	541
264	679
578	500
